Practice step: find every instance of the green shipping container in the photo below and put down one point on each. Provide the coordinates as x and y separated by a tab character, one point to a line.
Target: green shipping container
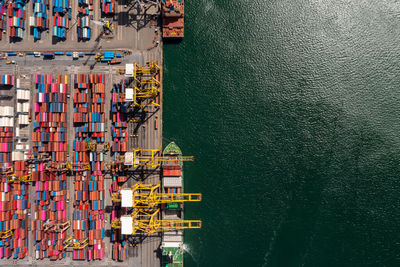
173	206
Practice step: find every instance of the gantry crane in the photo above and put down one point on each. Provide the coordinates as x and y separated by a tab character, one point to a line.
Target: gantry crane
13	178
39	156
146	92
69	243
56	227
6	234
103	147
151	157
150	69
148	196
6	172
144	223
67	166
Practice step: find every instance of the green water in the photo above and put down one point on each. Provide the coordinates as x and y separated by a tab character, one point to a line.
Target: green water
291	109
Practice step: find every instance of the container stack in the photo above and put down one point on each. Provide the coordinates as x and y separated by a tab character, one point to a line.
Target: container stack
6	205
96	183
60	26
6	79
3	17
118	148
39	21
119	251
81	155
61	7
6	116
49	135
83	20
16	12
23	96
107	7
19	214
119	119
89	118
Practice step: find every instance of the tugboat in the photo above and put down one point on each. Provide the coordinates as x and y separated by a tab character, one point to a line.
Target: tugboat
172	182
172	19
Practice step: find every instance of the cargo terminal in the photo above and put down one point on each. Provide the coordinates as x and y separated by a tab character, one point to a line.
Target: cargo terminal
85	176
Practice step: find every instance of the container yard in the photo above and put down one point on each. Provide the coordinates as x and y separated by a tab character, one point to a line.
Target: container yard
85	176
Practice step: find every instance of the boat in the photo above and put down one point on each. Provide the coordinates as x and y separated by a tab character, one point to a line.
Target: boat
172	19
172	182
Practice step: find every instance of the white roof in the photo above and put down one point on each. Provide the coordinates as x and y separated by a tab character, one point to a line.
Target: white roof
126	198
129	94
128	158
128	70
126	225
172	181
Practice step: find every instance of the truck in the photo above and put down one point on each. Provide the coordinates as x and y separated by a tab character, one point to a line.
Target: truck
75	55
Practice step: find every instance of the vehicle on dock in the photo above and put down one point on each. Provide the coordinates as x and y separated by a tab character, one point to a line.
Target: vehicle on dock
172	182
172	12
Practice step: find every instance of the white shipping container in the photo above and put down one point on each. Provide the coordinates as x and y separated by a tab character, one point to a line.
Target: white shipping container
6	122
17	156
23	119
25	107
18	83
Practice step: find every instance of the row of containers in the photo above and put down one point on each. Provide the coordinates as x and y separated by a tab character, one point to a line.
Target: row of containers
85	15
16	11
49	136
39	21
3	17
14	204
60	26
107	7
14	207
89	121
7	79
119	146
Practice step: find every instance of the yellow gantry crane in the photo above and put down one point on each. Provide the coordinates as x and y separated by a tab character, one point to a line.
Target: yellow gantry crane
103	147
144	223
56	227
149	69
6	234
72	244
147	196
151	158
148	85
13	178
144	93
67	166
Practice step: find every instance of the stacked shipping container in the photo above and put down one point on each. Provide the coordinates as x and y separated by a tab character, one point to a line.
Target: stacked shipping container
61	18
84	16
6	205
16	12
107	7
39	21
6	79
89	119
19	214
49	135
3	17
119	147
